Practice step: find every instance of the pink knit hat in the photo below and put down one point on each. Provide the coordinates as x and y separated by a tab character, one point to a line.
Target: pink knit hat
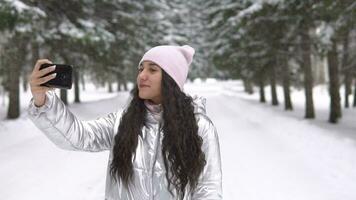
174	60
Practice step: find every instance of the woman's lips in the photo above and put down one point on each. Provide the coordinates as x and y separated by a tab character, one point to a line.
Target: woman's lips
143	86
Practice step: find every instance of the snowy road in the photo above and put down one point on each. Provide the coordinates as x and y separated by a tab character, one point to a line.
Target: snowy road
259	162
266	155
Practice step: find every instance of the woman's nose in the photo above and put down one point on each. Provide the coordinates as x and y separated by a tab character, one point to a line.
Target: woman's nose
143	75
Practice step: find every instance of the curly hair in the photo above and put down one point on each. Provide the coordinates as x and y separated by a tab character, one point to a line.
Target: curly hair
183	157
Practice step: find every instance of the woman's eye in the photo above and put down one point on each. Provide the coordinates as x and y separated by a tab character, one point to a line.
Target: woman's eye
151	70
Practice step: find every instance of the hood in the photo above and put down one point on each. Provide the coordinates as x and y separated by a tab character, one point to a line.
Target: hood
199	105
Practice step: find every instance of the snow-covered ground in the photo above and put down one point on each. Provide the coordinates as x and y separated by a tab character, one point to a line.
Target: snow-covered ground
267	153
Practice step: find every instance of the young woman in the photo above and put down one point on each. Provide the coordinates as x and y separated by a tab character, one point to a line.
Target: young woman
163	146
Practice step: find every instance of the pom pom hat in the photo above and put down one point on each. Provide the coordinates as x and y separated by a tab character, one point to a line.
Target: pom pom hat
174	60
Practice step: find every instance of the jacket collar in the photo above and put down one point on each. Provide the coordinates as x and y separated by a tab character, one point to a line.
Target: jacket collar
154	112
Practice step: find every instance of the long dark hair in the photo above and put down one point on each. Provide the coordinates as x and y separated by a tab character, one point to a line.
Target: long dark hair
181	144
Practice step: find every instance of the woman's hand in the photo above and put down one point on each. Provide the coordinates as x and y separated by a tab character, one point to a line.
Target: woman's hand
36	79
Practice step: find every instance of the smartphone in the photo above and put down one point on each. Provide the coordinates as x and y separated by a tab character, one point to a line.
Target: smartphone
63	79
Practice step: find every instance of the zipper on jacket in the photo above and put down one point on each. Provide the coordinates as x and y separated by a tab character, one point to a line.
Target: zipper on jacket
155	158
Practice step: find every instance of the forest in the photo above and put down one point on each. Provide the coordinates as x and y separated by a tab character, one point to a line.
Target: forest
292	44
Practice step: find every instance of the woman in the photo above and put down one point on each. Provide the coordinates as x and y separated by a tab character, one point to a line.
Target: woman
163	146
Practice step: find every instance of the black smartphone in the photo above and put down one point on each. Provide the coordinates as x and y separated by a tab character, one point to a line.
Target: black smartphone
63	78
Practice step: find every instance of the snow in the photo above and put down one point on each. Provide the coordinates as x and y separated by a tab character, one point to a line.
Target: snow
24	28
253	8
96	32
325	32
21	7
291	158
267	153
86	23
68	28
243	13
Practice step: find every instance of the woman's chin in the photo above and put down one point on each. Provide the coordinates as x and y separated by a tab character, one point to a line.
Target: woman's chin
143	96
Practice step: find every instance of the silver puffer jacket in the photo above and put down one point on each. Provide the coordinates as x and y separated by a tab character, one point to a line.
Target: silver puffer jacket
67	132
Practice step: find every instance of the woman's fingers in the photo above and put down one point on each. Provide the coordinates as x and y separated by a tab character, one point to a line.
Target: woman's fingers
39	63
39	81
39	77
36	77
45	71
47	78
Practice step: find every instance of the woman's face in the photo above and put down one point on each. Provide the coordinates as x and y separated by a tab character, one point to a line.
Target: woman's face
149	81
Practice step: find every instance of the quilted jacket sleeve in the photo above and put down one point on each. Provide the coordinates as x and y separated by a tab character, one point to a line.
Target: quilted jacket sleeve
66	131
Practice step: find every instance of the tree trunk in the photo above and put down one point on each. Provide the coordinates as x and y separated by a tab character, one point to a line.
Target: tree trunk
82	81
348	89
63	95
14	93
18	55
347	70
125	85
119	82
25	81
247	85
76	85
110	87
119	86
35	56
335	107
63	92
273	85
13	89
308	76
123	81
286	83
354	104
262	88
